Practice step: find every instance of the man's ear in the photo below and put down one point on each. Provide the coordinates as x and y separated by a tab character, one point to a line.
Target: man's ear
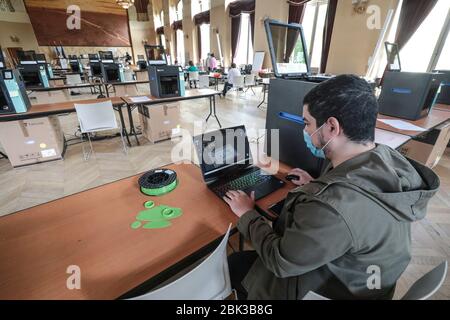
334	126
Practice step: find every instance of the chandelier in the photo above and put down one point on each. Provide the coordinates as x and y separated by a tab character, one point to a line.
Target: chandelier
126	4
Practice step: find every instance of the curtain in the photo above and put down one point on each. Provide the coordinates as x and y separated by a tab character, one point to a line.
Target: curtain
160	30
327	33
235	30
177	25
199	43
296	12
412	14
202	17
236	9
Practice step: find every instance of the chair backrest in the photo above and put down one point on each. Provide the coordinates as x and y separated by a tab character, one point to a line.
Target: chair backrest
72	79
203	81
194	76
210	280
239	81
96	116
249	80
128	75
428	285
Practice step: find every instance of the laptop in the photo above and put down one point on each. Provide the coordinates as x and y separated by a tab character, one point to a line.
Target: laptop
226	164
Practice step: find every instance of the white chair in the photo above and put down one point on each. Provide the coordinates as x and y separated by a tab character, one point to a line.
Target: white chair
203	81
238	84
210	280
194	76
97	117
250	82
128	75
422	289
73	80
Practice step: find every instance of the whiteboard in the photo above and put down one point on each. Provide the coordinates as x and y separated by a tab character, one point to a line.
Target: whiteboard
258	60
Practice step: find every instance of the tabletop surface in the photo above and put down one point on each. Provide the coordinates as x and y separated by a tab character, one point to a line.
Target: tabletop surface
92	230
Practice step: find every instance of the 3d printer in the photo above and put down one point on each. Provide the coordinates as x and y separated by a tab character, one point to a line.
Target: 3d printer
165	81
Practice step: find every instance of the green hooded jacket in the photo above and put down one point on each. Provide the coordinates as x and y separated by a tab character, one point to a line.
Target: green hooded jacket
341	232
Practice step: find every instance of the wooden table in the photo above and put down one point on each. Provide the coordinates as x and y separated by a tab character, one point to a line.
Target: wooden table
92	230
442	107
48	109
70	86
189	95
435	118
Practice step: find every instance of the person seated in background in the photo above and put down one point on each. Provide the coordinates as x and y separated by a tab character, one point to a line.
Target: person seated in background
192	68
346	234
233	72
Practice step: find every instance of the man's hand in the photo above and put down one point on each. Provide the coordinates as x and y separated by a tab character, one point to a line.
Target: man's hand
304	177
240	202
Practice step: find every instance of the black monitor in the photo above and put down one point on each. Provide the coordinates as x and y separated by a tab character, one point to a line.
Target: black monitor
40	58
393	56
112	75
2	60
106	56
287	49
31	78
156	55
93	57
26	57
96	70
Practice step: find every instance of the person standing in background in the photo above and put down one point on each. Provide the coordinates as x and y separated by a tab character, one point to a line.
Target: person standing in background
207	62
212	63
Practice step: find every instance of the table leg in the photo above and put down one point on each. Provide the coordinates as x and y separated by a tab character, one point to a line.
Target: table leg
101	95
3	155
264	97
122	121
212	109
132	128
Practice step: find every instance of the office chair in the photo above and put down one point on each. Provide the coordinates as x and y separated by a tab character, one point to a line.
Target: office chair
97	117
239	84
422	289
210	280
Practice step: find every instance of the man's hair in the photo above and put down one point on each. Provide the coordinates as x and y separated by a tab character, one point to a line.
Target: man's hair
350	100
191	63
233	65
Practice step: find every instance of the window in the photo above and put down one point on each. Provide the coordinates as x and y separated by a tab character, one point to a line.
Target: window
179	10
444	60
244	52
205	39
313	24
416	54
159	20
198	6
180	47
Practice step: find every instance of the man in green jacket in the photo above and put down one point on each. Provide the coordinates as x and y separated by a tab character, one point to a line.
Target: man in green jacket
346	234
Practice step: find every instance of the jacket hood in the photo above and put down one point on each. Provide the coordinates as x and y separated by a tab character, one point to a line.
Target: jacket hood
401	185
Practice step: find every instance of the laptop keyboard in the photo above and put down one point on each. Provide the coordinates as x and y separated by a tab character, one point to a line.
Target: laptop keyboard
242	183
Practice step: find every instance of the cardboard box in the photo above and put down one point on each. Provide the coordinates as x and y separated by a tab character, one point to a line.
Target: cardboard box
428	154
160	121
32	141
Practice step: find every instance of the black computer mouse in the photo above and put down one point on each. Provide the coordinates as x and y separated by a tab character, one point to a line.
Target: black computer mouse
291	177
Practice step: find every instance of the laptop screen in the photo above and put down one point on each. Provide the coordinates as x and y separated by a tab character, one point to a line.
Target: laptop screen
287	49
222	150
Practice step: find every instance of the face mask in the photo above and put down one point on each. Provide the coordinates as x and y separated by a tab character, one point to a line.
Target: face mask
319	153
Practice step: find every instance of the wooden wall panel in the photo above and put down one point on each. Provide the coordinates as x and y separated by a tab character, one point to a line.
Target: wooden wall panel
103	23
